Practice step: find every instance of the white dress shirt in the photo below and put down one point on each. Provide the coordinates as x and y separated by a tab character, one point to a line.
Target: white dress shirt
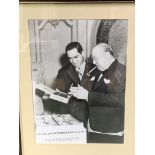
80	70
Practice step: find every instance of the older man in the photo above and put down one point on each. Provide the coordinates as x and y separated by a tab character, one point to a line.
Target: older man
106	98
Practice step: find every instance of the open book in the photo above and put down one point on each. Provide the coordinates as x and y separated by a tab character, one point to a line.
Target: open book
55	95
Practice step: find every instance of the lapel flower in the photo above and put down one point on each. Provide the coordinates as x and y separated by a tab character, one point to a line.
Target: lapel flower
106	81
93	78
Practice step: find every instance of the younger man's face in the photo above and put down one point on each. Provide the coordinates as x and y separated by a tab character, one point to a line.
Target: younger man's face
75	58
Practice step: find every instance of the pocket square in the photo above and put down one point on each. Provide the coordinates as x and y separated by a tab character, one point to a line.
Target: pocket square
93	78
106	81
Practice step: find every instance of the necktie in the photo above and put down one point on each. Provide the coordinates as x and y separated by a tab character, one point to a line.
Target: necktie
79	74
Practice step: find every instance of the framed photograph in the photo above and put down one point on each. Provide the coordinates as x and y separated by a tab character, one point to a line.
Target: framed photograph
77	77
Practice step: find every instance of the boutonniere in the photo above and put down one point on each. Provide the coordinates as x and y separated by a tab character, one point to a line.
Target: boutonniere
93	78
106	81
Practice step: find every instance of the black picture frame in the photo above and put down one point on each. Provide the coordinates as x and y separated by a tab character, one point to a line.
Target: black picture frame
76	1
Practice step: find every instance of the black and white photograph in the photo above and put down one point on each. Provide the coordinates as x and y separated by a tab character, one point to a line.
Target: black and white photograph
78	80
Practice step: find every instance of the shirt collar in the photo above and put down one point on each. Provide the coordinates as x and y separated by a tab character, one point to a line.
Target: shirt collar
81	68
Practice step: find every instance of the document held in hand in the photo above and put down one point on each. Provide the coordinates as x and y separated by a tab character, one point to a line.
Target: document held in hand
53	94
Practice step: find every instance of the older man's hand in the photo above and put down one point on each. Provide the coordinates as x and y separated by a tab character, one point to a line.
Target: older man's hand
79	92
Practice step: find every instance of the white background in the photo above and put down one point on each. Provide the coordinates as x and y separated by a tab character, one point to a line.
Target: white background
145	77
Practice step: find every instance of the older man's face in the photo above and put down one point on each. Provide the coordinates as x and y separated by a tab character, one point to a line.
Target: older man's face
100	58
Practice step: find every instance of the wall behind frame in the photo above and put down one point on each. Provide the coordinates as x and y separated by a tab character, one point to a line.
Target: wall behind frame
59	11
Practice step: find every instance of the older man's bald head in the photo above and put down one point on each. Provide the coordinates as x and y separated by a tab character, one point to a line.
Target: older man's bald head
102	47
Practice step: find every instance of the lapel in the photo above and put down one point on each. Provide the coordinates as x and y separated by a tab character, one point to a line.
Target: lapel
73	74
85	71
84	77
98	83
108	74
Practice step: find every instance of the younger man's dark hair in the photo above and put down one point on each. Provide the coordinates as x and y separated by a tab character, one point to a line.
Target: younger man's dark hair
73	45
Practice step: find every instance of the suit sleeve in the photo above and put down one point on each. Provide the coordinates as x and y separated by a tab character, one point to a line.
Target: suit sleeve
59	83
115	97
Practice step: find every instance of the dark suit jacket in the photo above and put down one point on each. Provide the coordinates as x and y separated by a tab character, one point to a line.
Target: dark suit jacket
106	99
66	77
